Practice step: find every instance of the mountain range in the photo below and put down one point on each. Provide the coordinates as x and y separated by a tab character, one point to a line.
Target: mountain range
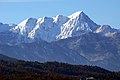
74	39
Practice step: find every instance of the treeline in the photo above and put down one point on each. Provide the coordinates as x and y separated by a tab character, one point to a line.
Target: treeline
25	70
37	77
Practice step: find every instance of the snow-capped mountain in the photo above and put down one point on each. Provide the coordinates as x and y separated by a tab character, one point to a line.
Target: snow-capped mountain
75	39
78	24
23	29
47	28
58	27
106	30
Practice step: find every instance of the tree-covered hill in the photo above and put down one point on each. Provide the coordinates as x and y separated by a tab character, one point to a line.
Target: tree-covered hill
26	70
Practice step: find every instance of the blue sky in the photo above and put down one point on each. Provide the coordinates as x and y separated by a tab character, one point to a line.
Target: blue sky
100	11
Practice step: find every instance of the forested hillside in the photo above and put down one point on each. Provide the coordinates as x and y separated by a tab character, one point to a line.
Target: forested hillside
22	70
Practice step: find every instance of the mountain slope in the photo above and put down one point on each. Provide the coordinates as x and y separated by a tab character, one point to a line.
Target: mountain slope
99	50
5	27
42	52
106	30
6	58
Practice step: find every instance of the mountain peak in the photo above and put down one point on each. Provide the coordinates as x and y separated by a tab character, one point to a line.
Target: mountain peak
25	26
78	24
60	19
106	30
105	27
76	14
27	21
58	16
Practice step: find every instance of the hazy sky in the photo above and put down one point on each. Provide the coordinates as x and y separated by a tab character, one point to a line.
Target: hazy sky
100	11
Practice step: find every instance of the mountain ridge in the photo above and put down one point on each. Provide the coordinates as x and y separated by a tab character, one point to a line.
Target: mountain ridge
75	39
58	27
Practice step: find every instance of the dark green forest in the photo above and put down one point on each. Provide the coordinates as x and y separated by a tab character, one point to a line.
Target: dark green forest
26	70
